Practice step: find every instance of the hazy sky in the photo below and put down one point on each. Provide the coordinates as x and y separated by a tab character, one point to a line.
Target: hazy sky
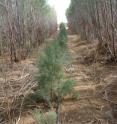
60	6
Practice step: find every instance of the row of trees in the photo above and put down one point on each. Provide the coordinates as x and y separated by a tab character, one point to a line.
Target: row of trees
95	19
52	82
24	24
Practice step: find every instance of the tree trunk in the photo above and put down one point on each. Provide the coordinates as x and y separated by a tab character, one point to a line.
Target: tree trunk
58	110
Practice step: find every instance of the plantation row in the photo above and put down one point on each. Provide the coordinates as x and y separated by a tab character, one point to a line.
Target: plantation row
53	85
95	19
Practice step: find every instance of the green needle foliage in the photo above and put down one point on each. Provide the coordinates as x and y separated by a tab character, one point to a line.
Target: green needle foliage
62	37
52	82
51	79
48	118
50	69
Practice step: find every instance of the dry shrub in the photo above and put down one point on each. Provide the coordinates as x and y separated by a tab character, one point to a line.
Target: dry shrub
12	95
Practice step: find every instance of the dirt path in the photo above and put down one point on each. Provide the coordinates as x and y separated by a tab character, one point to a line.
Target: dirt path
90	108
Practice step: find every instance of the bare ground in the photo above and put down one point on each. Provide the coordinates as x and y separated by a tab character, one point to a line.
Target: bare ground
92	80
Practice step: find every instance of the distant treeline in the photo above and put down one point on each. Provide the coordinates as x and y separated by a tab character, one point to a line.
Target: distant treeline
24	24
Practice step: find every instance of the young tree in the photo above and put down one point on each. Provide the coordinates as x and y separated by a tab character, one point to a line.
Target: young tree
62	36
52	82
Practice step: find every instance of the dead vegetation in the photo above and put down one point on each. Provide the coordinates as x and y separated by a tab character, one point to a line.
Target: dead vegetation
16	84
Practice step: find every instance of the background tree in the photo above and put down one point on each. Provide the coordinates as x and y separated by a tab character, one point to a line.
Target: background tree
95	19
24	24
62	36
